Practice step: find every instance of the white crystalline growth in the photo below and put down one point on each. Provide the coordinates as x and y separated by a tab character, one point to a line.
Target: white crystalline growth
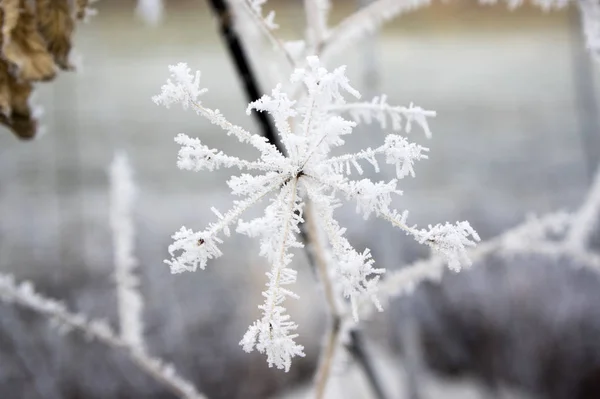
308	131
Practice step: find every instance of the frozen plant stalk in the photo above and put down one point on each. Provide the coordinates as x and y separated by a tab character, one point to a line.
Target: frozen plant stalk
308	130
122	199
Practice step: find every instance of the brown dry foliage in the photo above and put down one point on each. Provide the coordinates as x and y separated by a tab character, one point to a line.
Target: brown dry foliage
35	43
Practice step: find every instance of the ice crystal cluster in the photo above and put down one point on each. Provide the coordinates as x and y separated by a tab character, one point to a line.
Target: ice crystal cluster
308	130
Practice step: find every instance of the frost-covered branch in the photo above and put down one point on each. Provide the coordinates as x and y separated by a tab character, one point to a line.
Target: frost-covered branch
195	156
520	239
366	21
555	235
544	5
449	240
274	334
185	89
25	295
380	110
369	19
130	301
196	248
354	270
398	151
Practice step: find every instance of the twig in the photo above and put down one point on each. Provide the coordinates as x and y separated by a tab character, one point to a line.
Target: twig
358	350
129	300
333	331
253	93
25	295
327	356
366	20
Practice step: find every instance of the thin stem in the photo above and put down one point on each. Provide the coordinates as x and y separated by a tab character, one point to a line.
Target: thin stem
366	20
327	355
282	250
320	259
245	205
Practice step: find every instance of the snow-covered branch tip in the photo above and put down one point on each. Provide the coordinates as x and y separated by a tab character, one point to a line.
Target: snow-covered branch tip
130	301
379	110
308	130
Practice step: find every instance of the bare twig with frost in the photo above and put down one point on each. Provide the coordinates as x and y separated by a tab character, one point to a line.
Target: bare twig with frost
308	131
379	110
366	21
130	302
268	25
369	19
331	344
556	235
25	295
130	340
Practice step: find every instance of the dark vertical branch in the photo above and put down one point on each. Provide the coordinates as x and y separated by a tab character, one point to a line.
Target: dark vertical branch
357	348
243	67
249	81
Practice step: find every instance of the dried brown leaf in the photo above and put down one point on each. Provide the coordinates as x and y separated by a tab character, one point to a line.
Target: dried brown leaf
23	126
10	17
23	45
5	97
15	112
55	24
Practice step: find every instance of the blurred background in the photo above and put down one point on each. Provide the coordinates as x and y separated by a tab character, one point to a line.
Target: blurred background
516	132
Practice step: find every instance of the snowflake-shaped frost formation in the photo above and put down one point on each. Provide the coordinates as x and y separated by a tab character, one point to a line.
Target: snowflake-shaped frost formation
308	130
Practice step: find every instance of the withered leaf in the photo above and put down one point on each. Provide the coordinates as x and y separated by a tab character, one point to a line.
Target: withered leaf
56	24
5	97
15	112
10	17
23	125
23	45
